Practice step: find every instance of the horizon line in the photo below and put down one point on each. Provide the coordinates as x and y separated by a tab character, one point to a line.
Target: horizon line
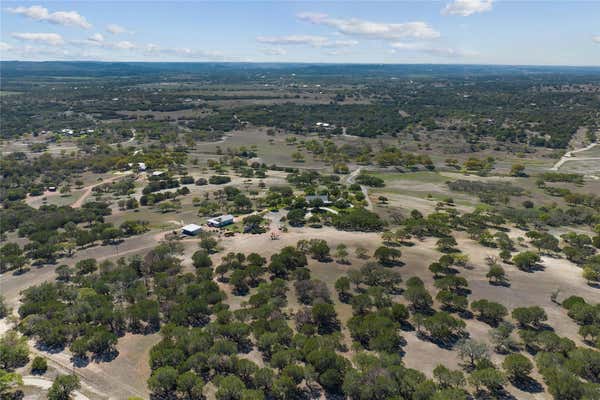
305	63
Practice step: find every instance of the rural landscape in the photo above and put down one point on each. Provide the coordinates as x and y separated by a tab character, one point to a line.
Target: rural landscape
299	200
384	234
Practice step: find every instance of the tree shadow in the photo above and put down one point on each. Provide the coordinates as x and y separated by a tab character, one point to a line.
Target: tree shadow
49	349
533	268
407	326
331	396
80	362
245	346
531	349
345	297
326	259
452	271
106	356
500	283
528	385
392	263
491	322
447	344
449	250
21	271
543	327
396	291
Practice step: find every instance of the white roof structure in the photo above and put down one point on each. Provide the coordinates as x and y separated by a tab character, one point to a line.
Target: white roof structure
220	220
191	228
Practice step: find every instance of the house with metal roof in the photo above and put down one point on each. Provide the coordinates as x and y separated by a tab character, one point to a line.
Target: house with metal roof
191	230
220	221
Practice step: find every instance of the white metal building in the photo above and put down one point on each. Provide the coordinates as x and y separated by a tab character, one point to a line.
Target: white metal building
191	229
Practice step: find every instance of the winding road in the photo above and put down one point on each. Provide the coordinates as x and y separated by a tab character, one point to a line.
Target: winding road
88	189
352	178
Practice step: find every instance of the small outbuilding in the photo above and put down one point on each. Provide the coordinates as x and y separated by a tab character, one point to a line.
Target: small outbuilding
324	198
191	229
220	221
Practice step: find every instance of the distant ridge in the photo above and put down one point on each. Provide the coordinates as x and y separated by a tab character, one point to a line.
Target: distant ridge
99	69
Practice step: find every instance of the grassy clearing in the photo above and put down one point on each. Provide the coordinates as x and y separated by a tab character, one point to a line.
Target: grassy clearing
421	176
581	166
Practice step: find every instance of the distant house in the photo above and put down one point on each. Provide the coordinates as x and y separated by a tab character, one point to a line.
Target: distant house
220	221
191	229
323	197
52	188
255	160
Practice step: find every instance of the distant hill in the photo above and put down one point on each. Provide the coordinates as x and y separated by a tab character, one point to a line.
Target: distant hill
102	69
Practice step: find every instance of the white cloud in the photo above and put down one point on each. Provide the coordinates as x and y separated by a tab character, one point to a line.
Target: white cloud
39	13
305	40
96	38
273	51
596	39
432	50
294	40
151	48
42	53
116	29
108	51
374	30
341	43
338	52
124	45
5	46
450	52
53	39
465	8
182	52
407	46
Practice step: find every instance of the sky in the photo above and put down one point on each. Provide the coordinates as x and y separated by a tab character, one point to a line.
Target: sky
557	32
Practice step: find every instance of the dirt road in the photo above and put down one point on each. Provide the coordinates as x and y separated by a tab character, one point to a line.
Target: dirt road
352	178
86	192
570	157
45	384
88	189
